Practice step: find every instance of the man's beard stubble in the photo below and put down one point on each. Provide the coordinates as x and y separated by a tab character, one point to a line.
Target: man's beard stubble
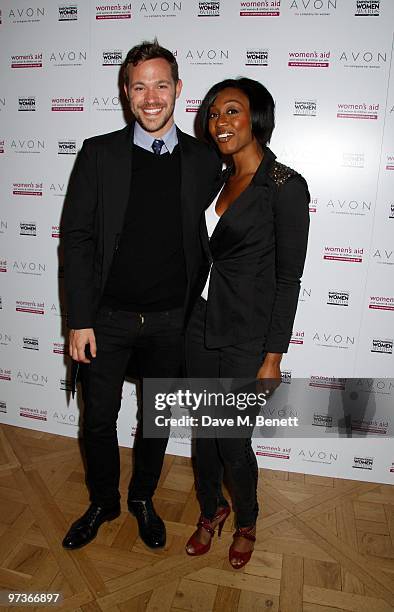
150	126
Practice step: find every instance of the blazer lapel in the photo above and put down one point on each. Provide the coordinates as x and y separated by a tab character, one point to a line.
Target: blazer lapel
117	175
116	192
253	190
229	214
218	185
187	183
204	237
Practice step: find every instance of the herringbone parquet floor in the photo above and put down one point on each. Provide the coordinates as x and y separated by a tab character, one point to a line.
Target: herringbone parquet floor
324	545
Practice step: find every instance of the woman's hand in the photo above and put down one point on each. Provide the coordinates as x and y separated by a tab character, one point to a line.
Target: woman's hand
270	368
269	372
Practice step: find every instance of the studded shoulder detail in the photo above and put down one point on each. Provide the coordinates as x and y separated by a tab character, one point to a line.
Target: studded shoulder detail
280	173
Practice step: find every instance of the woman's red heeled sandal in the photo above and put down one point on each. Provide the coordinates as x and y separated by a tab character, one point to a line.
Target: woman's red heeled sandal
198	547
237	558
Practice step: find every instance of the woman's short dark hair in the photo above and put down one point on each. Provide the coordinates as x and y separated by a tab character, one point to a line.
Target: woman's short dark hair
261	103
147	51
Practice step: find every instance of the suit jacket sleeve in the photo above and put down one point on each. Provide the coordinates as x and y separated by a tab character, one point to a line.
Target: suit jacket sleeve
78	224
291	215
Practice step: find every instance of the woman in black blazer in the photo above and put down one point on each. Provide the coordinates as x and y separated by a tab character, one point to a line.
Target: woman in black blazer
254	235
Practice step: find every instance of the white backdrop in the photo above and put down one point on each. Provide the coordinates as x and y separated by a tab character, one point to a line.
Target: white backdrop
328	64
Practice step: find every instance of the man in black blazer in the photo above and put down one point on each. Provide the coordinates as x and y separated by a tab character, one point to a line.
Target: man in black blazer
131	258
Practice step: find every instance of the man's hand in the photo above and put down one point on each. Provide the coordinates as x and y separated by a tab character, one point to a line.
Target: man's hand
78	340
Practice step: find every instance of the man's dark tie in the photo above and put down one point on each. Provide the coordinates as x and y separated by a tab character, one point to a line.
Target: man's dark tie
157	145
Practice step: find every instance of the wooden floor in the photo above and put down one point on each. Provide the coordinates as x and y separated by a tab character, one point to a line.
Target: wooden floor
324	544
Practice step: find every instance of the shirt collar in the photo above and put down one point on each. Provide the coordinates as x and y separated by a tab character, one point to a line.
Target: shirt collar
144	139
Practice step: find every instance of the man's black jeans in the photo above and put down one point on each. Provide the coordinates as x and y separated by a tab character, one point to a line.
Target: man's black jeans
154	343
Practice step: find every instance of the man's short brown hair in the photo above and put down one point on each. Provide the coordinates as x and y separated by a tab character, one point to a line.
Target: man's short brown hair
147	51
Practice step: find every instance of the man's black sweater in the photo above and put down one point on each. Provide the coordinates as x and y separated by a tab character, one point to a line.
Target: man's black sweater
148	270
